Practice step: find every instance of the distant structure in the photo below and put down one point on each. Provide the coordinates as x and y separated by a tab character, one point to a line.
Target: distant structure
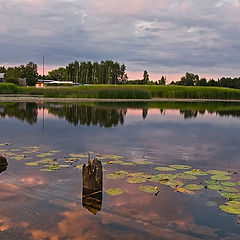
22	82
44	82
2	80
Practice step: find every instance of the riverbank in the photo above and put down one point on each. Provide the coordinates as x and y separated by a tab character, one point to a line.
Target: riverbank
11	98
124	92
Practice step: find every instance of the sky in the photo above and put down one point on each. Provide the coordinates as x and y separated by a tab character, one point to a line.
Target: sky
164	37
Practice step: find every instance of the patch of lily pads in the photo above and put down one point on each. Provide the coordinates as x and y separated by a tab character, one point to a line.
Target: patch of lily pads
181	178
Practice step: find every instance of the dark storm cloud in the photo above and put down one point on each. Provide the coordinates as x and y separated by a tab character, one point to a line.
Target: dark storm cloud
169	35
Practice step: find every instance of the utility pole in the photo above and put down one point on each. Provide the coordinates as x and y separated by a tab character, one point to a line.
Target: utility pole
43	67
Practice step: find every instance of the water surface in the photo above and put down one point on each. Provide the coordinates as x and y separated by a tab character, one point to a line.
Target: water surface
49	205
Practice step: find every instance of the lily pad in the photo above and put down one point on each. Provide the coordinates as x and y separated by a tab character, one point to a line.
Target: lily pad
148	189
46	170
138	174
80	166
220	177
214	182
161	177
165	169
181	167
211	204
230	189
117	175
31	163
194	187
228	184
127	163
42	155
114	191
73	155
196	173
215	187
186	176
136	180
172	183
64	166
231	195
218	172
143	162
231	207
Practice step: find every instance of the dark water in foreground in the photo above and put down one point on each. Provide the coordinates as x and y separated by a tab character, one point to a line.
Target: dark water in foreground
48	205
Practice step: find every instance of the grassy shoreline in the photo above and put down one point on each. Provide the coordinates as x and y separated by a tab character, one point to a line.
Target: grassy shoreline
125	92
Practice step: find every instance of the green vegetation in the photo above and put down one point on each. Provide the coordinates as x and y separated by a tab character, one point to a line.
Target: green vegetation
126	92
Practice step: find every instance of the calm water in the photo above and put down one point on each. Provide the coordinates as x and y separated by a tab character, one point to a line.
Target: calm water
48	205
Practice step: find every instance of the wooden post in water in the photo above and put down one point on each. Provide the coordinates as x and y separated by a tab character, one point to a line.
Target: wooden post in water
92	186
3	164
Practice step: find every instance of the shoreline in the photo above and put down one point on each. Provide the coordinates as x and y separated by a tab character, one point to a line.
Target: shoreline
11	98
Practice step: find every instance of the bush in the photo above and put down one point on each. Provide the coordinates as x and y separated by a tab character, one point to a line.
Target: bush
8	88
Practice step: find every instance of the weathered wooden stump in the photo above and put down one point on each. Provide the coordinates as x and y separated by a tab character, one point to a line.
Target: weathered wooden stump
3	164
92	186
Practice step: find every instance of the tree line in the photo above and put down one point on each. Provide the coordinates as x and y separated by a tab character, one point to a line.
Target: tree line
191	79
104	72
28	71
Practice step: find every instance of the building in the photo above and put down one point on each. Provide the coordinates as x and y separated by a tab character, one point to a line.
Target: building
1	77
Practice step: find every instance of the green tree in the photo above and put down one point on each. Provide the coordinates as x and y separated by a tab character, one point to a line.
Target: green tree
2	69
59	74
189	79
30	73
145	77
201	82
162	81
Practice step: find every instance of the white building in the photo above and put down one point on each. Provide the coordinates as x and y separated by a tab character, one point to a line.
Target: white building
1	77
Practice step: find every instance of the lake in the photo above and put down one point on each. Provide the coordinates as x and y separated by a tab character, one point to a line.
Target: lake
170	170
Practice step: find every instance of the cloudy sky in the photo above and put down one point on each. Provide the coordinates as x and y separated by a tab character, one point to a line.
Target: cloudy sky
166	37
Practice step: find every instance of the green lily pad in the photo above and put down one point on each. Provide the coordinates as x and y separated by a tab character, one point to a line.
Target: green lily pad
186	176
220	177
43	155
64	166
172	183
138	174
165	169
73	155
117	175
228	184
214	182
196	173
230	189
231	208
15	150
181	167
80	166
114	191
161	177
19	158
54	151
31	163
127	163
211	204
136	180
46	170
194	187
231	195
143	162
148	189
218	172
215	187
